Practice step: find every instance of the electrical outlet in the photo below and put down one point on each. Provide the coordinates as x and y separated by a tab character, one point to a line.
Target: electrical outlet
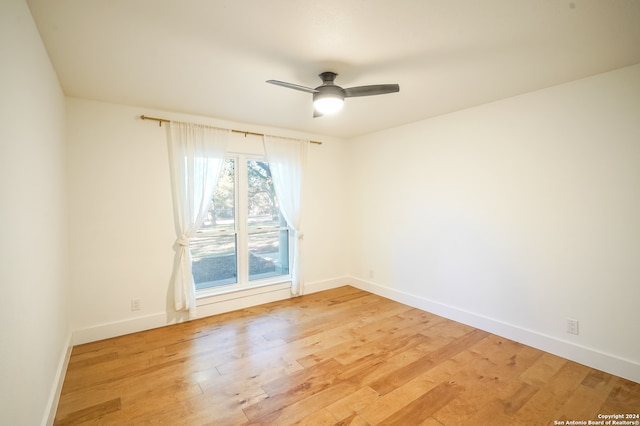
371	273
572	326
135	304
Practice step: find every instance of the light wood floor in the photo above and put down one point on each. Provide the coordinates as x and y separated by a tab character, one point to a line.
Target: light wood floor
339	357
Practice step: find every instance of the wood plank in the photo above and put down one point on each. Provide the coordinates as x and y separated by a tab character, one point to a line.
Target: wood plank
406	373
90	413
348	407
287	390
515	401
623	398
422	408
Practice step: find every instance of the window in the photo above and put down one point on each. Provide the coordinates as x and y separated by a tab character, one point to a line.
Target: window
244	240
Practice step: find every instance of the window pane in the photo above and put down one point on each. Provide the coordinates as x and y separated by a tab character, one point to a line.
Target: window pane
268	243
268	254
214	261
263	209
214	251
221	215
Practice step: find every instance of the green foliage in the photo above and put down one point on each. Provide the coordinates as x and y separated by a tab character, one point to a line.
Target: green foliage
261	193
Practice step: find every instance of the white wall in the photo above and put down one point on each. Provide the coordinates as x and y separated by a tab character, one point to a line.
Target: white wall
33	206
513	216
121	217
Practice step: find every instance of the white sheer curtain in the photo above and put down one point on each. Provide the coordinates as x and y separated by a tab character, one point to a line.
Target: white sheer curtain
196	157
287	160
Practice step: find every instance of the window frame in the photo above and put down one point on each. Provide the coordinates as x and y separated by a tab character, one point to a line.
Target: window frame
242	231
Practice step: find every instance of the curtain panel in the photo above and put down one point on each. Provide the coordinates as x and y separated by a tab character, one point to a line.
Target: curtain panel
287	160
196	156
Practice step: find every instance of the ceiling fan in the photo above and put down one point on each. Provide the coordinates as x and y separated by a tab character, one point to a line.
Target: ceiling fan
328	97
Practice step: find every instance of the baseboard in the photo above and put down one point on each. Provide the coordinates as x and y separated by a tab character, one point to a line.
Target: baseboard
587	356
317	286
56	389
207	306
120	328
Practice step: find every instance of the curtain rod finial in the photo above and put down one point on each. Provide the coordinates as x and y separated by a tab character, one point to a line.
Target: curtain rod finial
159	120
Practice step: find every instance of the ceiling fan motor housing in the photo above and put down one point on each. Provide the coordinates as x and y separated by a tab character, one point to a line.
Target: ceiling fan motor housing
327	77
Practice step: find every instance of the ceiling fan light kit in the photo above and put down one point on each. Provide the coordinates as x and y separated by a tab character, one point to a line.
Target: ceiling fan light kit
328	98
328	101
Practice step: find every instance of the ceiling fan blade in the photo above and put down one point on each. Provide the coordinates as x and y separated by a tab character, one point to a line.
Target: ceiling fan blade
292	86
375	89
317	113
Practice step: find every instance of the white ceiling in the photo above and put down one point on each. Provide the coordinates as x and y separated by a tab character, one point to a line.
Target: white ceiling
212	57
